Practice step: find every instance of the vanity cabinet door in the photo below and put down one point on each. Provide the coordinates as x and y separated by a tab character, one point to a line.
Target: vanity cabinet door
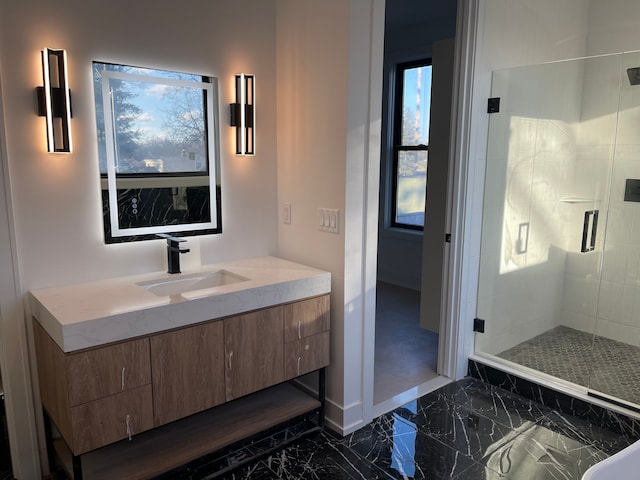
306	355
305	318
105	371
188	371
254	351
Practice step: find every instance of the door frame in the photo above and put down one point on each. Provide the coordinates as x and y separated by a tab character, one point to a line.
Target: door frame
460	266
456	336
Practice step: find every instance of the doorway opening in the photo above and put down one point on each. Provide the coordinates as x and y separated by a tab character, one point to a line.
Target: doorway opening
418	72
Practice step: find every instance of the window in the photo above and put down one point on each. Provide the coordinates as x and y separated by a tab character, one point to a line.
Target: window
412	104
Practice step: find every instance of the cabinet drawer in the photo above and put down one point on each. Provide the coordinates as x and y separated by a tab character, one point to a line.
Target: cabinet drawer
306	355
105	371
305	318
110	419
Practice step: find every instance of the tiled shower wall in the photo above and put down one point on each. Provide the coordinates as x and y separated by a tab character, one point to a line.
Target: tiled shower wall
589	190
602	288
619	301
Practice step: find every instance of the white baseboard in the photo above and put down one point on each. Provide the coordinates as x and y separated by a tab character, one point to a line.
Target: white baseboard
344	420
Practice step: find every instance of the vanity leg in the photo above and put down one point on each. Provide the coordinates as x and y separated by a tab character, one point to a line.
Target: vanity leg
48	437
76	463
77	467
322	387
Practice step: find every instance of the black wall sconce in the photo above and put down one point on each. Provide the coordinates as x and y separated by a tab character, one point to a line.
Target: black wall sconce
243	114
54	100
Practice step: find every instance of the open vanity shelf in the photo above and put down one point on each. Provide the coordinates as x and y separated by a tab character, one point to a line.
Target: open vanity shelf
160	450
143	406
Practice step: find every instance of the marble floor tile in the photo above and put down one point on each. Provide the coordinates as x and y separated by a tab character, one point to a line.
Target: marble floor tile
506	408
457	426
321	457
527	456
557	401
479	472
314	458
467	430
394	444
585	432
256	471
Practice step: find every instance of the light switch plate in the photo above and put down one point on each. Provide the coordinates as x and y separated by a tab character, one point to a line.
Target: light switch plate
286	213
329	220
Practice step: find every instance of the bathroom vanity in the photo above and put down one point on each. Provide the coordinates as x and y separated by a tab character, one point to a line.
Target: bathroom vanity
142	374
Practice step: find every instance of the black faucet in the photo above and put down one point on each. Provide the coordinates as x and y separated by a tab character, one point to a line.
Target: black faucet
173	252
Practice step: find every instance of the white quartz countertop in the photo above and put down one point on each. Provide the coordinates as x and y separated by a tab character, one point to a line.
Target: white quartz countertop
96	313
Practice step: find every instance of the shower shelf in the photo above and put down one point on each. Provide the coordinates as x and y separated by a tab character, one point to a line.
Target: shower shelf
579	200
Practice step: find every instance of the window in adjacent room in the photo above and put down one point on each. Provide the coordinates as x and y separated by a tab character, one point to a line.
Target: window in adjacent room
412	104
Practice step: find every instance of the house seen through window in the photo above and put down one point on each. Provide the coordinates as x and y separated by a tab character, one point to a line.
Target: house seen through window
412	103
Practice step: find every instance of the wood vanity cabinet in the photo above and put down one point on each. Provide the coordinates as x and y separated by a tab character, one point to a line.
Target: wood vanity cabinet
168	383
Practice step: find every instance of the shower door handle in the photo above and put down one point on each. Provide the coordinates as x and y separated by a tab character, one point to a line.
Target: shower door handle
522	243
589	230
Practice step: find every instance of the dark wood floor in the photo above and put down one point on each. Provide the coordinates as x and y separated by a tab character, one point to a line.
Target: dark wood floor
406	354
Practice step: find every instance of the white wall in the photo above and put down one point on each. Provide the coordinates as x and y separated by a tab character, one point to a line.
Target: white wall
613	26
312	63
329	83
56	198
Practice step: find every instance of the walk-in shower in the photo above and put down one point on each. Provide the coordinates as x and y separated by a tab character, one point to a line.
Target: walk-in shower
559	285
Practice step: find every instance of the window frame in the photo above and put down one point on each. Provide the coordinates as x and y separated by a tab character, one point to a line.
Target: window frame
396	136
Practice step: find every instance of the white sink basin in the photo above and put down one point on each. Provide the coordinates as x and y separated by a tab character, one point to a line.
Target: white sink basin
188	283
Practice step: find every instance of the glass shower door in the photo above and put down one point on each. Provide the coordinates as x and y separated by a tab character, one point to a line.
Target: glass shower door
549	162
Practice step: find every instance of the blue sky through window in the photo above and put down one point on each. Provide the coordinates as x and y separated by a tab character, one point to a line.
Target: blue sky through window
416	103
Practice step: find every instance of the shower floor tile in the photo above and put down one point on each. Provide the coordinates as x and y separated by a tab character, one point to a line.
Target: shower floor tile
599	363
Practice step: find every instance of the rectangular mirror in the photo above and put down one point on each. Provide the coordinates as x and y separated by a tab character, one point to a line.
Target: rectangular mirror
158	152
